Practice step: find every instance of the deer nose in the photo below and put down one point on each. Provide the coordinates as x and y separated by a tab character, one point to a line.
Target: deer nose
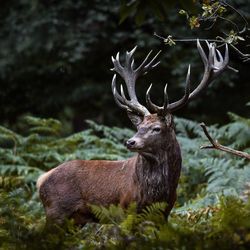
130	143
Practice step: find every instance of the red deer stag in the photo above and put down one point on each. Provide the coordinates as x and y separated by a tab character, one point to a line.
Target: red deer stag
152	174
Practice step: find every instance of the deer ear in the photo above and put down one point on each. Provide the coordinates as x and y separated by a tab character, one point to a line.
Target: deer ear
135	119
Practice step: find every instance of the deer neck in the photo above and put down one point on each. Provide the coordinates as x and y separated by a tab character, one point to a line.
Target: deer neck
157	173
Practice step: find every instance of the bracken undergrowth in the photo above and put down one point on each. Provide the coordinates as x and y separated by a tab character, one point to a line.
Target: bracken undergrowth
212	212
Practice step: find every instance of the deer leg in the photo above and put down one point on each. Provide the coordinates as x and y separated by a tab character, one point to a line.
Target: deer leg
55	216
170	205
82	217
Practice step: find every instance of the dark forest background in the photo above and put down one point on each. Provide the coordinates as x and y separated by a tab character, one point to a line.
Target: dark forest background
56	105
55	59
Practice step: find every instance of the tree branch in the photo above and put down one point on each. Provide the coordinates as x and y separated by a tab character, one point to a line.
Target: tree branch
216	145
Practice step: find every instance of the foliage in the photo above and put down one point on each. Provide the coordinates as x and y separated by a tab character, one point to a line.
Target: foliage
213	205
218	173
25	157
55	59
54	62
140	10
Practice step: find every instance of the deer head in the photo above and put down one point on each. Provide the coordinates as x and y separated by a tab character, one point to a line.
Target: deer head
155	124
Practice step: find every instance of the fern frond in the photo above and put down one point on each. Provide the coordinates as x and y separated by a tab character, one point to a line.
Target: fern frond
112	214
153	212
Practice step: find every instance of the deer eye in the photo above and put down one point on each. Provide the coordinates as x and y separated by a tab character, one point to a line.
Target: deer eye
157	129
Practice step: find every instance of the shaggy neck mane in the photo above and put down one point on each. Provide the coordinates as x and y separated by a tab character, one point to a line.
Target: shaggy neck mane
157	174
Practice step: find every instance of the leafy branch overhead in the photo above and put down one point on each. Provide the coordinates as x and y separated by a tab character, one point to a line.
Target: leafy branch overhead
141	9
237	26
206	15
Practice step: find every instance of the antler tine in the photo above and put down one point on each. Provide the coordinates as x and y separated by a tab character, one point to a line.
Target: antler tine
130	76
154	108
214	65
183	101
114	90
144	62
217	59
145	65
117	97
224	60
202	52
226	57
122	101
129	58
211	55
117	65
131	106
123	95
166	101
126	72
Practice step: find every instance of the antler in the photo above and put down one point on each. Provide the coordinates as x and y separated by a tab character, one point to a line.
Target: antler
130	75
214	65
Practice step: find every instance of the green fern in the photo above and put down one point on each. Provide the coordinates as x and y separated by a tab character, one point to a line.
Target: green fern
154	212
112	214
213	188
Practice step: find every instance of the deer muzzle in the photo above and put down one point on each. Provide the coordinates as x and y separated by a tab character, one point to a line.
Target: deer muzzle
133	144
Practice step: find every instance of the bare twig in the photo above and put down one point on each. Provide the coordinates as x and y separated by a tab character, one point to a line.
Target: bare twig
220	40
189	39
216	145
244	57
238	12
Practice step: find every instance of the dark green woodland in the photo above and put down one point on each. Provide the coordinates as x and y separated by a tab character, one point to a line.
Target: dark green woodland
56	105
